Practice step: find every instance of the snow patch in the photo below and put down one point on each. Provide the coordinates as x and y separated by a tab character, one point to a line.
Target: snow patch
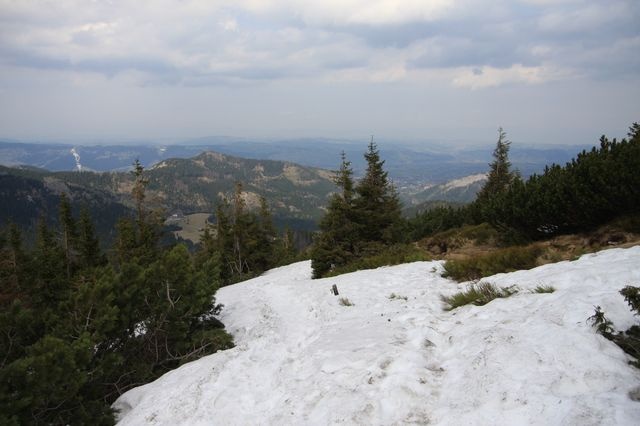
464	182
302	358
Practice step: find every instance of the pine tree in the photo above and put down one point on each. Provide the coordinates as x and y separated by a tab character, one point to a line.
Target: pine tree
241	223
335	245
377	207
500	173
88	243
139	238
263	237
69	234
224	242
138	191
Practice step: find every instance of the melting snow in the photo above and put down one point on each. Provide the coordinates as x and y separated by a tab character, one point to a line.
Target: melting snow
303	358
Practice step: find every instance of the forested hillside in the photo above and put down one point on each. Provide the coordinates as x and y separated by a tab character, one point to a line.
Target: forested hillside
79	326
296	195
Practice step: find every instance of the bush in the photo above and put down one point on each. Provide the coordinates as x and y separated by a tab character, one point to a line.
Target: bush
629	341
503	260
393	255
544	289
477	294
457	237
630	223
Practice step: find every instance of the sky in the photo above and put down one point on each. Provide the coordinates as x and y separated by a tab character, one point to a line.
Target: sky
547	71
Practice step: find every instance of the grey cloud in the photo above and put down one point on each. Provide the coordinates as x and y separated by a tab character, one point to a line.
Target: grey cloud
587	36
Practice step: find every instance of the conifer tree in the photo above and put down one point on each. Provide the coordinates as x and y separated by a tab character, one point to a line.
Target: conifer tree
88	243
335	245
500	174
377	207
241	222
69	233
224	242
262	236
50	284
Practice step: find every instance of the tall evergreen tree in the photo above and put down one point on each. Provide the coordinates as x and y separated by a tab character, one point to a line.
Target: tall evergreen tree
88	243
499	180
335	245
224	239
241	223
263	237
500	174
377	206
68	234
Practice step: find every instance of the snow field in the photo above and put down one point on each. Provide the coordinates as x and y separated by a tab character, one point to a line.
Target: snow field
303	358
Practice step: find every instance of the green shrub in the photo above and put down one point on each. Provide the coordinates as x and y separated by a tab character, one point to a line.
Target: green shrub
503	260
544	289
477	294
629	341
630	223
457	237
393	255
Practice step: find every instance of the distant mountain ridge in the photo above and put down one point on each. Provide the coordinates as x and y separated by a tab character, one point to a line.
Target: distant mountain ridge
408	166
296	194
27	195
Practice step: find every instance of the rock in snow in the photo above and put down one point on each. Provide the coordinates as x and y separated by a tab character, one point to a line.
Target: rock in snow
302	357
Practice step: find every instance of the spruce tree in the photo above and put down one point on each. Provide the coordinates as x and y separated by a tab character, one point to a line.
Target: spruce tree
88	243
263	237
68	234
224	242
335	245
377	207
241	223
500	174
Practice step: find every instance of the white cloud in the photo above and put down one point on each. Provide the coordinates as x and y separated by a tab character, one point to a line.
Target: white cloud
486	77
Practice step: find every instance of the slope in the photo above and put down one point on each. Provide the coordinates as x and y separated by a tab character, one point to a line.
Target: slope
395	357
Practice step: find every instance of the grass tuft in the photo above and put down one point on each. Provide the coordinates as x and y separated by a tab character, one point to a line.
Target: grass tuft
393	296
544	289
477	294
345	302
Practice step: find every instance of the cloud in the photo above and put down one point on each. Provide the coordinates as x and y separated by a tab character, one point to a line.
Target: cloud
195	42
487	77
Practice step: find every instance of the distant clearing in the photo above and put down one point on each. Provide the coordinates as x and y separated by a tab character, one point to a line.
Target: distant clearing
192	226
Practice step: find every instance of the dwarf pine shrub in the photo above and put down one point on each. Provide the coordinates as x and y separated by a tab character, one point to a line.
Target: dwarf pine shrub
387	256
503	260
629	340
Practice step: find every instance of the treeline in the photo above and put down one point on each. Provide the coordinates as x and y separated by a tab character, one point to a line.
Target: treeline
243	243
78	327
594	188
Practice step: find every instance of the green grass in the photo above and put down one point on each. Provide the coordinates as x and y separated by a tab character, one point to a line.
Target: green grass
477	294
503	260
544	289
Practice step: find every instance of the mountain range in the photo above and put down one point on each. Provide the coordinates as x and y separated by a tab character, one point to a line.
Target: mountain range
409	166
296	194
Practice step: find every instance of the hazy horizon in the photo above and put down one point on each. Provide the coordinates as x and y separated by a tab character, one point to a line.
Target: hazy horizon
452	71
